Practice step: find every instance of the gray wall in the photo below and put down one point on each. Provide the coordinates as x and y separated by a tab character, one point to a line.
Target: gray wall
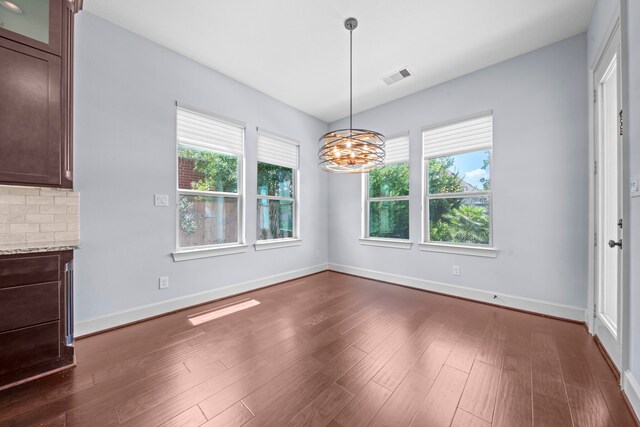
539	178
126	89
631	55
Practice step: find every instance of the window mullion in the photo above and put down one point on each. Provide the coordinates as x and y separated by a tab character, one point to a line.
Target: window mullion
388	199
267	197
207	193
459	195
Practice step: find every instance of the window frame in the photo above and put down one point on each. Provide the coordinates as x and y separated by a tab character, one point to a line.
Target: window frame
392	242
475	249
294	199
183	253
279	242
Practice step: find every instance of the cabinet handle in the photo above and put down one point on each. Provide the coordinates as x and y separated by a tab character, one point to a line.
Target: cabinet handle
68	282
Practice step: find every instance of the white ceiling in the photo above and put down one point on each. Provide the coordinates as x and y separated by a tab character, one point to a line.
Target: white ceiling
298	50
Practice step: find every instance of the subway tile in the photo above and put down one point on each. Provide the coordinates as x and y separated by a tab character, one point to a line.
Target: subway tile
66	201
24	228
53	192
25	191
72	209
65	218
24	209
13	199
39	219
66	235
4	209
12	238
14	219
39	237
4	228
54	226
53	209
39	200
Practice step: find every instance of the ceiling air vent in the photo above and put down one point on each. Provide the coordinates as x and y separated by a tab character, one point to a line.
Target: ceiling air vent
396	77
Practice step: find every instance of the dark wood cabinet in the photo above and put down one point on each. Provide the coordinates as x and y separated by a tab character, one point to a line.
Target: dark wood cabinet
17	305
28	348
36	93
51	40
35	329
30	109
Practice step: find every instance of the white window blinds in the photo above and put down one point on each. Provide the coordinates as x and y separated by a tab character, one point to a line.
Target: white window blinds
397	149
277	150
210	132
468	135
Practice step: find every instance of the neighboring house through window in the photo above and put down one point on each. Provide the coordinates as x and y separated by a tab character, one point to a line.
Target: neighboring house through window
210	162
277	187
387	193
457	169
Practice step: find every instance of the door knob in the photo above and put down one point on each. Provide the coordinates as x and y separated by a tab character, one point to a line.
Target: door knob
613	244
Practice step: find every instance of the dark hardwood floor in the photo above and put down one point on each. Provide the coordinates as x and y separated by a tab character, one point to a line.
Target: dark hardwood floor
336	350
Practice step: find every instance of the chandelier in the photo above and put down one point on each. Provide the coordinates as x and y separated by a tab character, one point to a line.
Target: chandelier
351	150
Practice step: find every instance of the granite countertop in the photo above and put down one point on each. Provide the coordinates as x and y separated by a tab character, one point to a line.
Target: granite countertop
30	247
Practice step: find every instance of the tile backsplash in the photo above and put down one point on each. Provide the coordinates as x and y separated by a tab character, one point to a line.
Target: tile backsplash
34	214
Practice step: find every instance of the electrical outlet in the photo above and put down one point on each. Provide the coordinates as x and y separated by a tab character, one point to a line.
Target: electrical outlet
456	270
163	282
635	187
161	200
317	254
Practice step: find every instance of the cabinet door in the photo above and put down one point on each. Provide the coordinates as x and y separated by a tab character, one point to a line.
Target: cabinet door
19	270
30	116
35	23
30	305
27	347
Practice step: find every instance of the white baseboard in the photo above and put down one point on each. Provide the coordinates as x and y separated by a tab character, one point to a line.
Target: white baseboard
146	311
588	319
528	304
632	390
150	310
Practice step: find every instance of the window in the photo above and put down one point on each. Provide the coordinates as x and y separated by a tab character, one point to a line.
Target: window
458	182
277	181
210	161
387	193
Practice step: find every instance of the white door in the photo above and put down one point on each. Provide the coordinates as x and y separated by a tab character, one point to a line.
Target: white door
608	126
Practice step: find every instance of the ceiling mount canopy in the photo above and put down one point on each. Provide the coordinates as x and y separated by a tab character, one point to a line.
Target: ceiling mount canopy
351	150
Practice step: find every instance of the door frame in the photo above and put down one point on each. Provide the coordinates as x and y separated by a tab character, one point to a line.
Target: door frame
614	25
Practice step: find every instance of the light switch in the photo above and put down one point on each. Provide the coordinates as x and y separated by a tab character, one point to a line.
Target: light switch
635	187
161	200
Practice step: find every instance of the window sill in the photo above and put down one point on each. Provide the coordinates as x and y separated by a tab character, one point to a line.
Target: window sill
460	250
386	243
264	245
187	254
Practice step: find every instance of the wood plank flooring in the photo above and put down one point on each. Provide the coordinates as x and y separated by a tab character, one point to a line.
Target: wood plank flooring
332	350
